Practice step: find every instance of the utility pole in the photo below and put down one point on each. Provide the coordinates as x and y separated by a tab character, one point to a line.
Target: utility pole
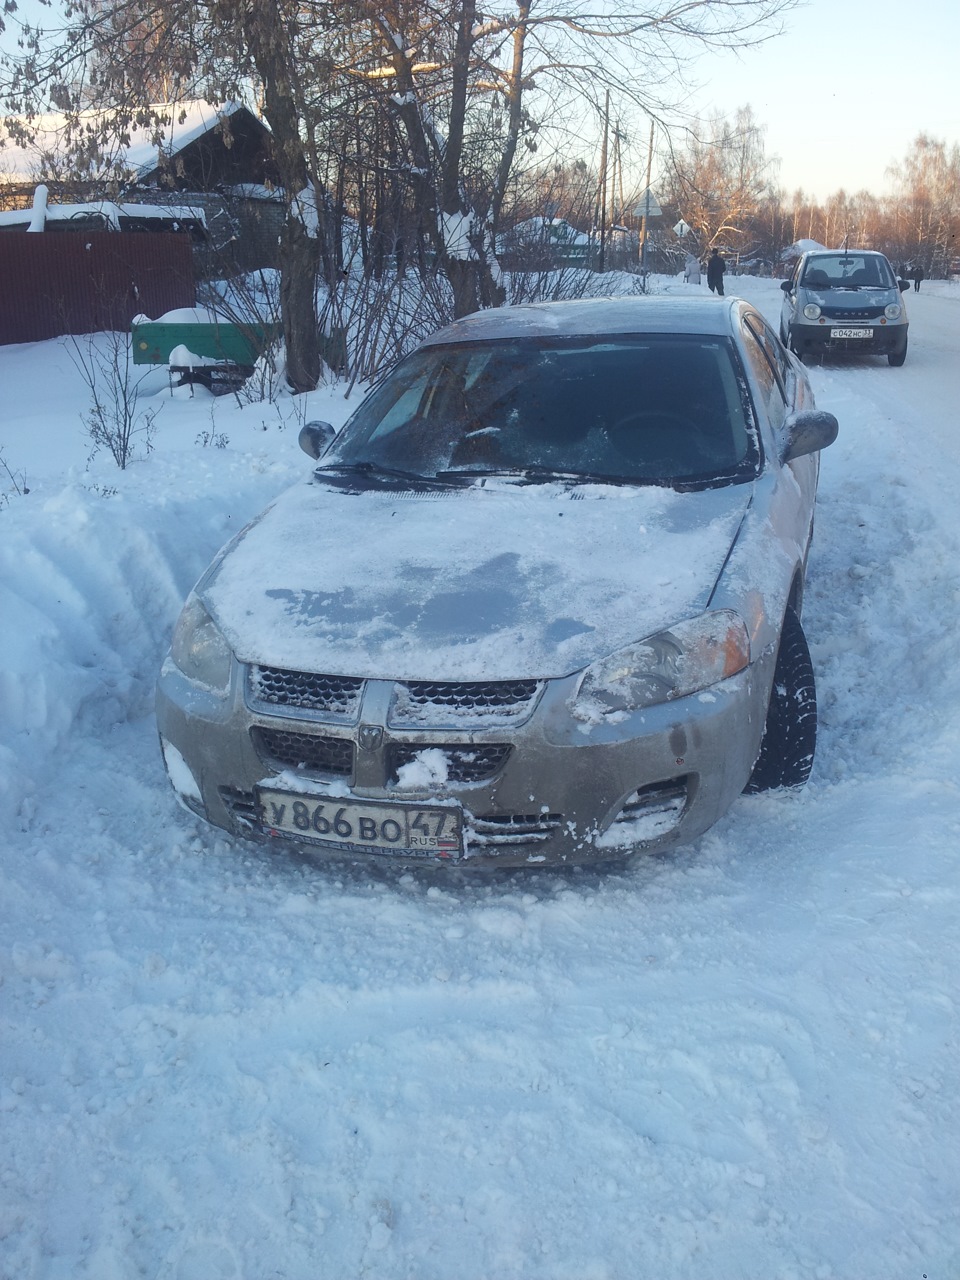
643	220
603	183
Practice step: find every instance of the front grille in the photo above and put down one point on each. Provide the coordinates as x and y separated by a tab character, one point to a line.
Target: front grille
307	751
448	702
305	691
465	762
844	313
511	831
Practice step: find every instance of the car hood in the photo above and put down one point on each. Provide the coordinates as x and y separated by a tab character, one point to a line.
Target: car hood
850	299
497	581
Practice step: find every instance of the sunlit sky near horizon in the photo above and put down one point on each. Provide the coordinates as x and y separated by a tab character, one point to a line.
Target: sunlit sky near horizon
842	93
846	89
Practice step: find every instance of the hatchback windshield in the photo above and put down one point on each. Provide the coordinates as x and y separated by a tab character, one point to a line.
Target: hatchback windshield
637	410
849	271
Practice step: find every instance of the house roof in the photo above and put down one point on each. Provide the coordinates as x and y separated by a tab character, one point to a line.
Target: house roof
145	150
111	215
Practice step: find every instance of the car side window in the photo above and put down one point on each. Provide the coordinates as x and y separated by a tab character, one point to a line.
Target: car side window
765	368
775	352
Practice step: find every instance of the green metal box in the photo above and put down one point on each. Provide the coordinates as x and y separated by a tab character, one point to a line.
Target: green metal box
234	344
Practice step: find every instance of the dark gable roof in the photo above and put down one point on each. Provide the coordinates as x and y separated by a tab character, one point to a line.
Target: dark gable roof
201	146
234	149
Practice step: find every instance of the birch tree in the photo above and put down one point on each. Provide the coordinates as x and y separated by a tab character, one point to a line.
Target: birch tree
927	204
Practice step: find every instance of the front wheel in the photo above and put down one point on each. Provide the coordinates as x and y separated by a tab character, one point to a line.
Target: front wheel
896	358
790	733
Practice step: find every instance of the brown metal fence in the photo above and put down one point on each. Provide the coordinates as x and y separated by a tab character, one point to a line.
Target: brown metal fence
83	282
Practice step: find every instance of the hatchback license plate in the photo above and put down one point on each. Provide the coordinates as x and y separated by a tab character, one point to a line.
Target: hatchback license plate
405	830
851	333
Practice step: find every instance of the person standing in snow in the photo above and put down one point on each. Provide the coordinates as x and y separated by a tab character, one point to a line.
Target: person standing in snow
917	277
715	269
691	269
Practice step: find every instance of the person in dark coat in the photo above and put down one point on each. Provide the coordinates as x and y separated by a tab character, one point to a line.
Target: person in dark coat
917	277
715	269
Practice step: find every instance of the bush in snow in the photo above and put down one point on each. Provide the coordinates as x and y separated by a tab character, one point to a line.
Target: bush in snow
114	419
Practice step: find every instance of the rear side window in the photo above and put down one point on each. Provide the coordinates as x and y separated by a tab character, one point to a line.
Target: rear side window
764	355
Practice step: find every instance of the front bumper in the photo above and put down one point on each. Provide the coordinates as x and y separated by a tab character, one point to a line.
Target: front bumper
548	788
819	338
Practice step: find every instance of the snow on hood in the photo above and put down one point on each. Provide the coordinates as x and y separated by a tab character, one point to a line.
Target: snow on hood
496	583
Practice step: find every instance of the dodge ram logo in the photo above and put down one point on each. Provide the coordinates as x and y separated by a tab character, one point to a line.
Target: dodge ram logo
370	737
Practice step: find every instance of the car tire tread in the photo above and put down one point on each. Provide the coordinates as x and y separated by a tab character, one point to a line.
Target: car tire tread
790	733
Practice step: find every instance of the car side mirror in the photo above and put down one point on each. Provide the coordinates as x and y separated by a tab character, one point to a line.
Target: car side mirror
904	285
808	431
316	438
785	285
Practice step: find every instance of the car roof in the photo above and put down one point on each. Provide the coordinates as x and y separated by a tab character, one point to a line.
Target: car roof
594	317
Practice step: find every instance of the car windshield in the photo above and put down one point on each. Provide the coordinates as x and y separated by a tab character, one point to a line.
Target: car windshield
636	410
848	271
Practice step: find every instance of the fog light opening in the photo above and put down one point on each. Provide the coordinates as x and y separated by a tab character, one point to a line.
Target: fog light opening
646	815
181	778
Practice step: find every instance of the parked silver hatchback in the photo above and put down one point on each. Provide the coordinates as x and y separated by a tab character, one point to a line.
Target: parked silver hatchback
844	302
538	602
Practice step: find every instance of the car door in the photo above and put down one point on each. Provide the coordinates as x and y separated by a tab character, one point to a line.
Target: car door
784	390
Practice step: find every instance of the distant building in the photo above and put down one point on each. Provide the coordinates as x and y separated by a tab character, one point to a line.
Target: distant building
209	169
545	243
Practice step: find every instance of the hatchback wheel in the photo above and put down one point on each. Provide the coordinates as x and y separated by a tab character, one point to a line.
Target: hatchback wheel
790	734
896	358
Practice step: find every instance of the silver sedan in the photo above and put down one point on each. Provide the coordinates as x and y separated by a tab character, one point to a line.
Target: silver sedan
538	602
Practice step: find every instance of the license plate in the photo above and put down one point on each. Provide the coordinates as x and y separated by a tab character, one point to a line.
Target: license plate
405	830
851	333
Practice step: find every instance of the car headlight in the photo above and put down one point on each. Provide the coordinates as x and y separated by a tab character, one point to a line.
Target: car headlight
199	649
811	311
893	311
690	656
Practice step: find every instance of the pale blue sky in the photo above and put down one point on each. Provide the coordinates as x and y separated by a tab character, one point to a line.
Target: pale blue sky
846	89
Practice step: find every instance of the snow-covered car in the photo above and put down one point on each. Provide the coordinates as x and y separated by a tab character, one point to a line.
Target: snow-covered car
538	602
844	302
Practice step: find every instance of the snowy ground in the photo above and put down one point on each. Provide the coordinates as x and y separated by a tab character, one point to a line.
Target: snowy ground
736	1062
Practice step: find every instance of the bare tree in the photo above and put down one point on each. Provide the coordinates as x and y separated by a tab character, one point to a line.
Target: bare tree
926	207
719	181
435	62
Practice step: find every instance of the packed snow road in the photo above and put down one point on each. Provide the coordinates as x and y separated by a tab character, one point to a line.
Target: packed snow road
738	1061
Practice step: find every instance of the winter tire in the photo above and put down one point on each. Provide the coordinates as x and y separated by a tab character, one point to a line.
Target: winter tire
790	734
896	358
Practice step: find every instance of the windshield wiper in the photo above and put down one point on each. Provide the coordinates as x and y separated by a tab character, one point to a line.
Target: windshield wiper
543	475
375	472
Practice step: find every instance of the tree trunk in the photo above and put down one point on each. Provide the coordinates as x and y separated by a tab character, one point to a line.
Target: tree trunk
299	265
268	42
